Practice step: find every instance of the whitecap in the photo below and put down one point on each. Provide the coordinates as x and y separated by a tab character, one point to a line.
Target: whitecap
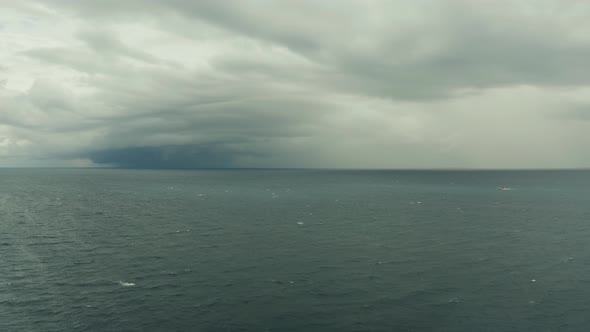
126	284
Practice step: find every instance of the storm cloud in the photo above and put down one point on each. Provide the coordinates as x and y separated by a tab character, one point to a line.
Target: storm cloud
258	83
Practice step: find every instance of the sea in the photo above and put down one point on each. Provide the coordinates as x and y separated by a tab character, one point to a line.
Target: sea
294	250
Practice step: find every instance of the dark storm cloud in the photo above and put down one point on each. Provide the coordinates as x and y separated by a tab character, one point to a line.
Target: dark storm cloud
170	157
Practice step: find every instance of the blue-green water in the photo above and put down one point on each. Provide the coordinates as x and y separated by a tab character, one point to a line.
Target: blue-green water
256	250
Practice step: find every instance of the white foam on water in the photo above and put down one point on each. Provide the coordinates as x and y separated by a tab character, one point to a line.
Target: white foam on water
126	284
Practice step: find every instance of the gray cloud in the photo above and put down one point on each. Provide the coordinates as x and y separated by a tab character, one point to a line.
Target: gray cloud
256	83
108	45
425	50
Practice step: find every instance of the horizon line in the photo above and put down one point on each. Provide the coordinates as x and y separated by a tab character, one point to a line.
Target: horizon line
304	168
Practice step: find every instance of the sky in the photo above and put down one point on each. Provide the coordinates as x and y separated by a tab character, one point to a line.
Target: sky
295	83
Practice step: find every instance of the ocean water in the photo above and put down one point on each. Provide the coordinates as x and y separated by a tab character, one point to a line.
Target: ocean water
294	250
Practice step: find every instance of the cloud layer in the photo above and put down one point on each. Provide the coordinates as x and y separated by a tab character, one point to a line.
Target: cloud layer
258	83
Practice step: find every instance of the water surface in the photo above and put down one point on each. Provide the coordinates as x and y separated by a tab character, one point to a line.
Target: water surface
291	250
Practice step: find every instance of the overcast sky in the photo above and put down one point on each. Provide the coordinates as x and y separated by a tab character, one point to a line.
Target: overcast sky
298	83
